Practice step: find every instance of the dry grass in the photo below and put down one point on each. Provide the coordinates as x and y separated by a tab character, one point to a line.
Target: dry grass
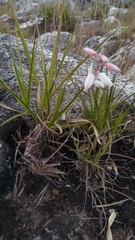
128	20
4	9
70	23
51	17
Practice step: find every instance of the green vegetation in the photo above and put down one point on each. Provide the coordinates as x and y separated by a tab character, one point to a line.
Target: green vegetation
103	119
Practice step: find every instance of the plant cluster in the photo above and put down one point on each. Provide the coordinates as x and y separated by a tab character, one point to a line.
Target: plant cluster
103	111
103	114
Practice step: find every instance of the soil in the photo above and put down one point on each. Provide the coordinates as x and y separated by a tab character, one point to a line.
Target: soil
63	208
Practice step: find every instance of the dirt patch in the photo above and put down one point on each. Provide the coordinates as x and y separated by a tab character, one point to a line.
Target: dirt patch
61	208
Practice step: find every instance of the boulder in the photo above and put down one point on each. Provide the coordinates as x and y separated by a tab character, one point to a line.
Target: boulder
49	38
111	22
113	11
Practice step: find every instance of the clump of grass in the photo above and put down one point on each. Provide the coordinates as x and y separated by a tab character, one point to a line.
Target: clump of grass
128	20
51	16
98	12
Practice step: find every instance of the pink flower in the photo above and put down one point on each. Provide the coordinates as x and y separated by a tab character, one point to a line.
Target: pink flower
112	67
90	51
103	58
103	79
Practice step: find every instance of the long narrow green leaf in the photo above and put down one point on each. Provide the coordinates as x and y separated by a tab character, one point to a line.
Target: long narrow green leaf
17	74
22	82
31	75
57	107
69	104
66	78
13	117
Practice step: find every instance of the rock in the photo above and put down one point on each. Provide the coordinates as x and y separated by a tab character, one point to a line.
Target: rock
71	61
111	22
118	32
33	22
2	2
7	73
26	5
113	11
132	55
122	3
4	18
6	155
93	42
49	38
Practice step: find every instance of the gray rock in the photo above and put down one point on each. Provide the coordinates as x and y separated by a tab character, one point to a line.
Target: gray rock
26	5
118	32
34	21
2	2
122	3
71	61
93	42
49	38
113	11
111	22
7	73
132	55
5	18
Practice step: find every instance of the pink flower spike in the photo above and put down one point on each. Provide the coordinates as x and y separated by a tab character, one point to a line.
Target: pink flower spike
90	51
88	82
112	67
